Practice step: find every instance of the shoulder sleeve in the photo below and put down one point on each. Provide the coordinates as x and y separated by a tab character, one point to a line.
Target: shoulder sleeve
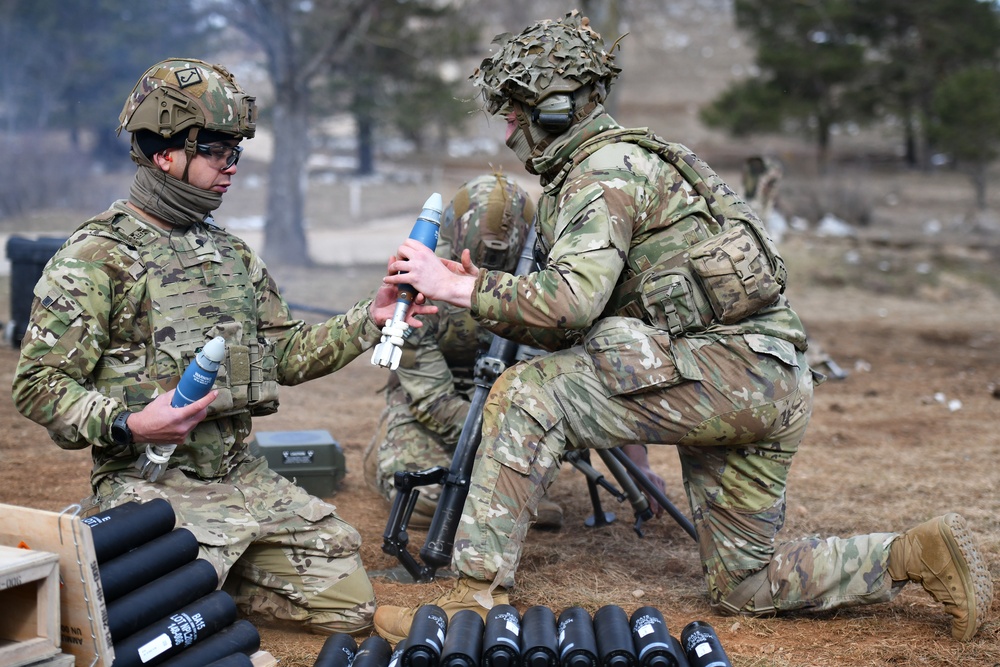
68	330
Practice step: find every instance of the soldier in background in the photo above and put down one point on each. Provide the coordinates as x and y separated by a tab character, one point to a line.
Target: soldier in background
762	176
428	395
761	180
659	294
122	308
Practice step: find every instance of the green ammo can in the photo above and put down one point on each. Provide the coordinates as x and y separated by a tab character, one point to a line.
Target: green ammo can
311	459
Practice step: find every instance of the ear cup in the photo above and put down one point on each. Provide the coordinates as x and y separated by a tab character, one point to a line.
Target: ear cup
554	122
555	113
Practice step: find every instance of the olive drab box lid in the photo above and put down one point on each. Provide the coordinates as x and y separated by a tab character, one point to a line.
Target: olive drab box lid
311	459
84	629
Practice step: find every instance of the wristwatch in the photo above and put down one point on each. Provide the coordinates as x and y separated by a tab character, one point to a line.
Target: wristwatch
121	434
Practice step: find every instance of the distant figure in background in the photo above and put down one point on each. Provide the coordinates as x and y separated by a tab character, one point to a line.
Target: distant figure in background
761	180
428	395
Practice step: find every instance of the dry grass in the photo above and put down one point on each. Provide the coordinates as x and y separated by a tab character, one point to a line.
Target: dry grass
882	452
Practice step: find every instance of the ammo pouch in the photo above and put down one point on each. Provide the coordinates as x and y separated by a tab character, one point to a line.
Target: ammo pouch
247	377
735	274
722	279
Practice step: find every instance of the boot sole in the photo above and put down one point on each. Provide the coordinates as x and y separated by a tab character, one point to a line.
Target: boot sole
976	575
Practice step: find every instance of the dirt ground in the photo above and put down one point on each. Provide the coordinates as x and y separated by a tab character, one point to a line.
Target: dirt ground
910	433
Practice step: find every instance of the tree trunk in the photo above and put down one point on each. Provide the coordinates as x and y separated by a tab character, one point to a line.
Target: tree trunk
284	230
910	140
366	143
823	146
979	183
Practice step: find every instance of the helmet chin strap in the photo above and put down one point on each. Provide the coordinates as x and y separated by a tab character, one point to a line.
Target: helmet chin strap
190	150
523	119
530	140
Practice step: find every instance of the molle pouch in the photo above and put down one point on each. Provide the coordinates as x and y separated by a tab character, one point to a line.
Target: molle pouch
234	375
263	387
673	303
233	379
735	274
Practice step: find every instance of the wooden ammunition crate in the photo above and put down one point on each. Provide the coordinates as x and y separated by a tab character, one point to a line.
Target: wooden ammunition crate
83	626
29	598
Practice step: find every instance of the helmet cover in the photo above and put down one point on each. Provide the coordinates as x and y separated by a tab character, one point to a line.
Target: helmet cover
490	216
181	93
547	57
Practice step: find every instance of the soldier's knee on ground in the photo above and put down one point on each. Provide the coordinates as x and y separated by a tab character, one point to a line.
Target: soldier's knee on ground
273	587
347	606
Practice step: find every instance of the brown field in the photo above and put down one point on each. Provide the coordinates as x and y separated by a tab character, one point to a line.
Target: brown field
884	452
913	316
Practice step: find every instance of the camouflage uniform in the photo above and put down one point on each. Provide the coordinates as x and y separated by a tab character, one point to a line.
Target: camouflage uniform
660	294
427	398
734	398
120	310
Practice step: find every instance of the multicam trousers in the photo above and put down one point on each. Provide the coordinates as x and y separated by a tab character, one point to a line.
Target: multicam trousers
735	406
279	551
405	445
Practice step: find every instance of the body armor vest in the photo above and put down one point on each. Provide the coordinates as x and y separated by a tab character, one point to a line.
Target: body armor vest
689	277
197	287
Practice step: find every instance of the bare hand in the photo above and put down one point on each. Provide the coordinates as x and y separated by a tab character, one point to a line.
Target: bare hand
384	304
160	423
435	278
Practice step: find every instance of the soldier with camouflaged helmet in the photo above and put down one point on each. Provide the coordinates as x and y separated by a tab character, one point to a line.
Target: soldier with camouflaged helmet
427	397
660	295
124	306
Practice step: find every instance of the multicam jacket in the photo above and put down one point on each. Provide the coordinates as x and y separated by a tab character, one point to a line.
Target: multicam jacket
123	306
602	220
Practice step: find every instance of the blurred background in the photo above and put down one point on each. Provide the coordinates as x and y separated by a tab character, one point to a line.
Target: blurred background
885	116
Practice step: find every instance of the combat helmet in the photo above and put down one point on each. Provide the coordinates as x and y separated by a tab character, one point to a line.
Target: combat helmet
180	102
548	57
490	215
182	93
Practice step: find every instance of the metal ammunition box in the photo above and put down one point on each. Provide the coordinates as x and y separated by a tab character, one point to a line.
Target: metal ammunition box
311	459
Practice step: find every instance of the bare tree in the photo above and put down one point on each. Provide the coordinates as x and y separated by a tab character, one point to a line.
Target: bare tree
302	41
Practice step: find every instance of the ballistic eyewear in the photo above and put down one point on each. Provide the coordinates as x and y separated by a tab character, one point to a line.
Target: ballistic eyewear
221	153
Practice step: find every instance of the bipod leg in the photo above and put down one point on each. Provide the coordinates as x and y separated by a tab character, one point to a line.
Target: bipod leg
640	505
650	488
580	459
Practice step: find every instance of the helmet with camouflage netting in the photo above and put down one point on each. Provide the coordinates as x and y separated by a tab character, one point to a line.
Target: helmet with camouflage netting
178	94
548	57
490	215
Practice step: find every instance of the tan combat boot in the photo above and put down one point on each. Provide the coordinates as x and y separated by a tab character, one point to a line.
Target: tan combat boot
393	623
941	555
